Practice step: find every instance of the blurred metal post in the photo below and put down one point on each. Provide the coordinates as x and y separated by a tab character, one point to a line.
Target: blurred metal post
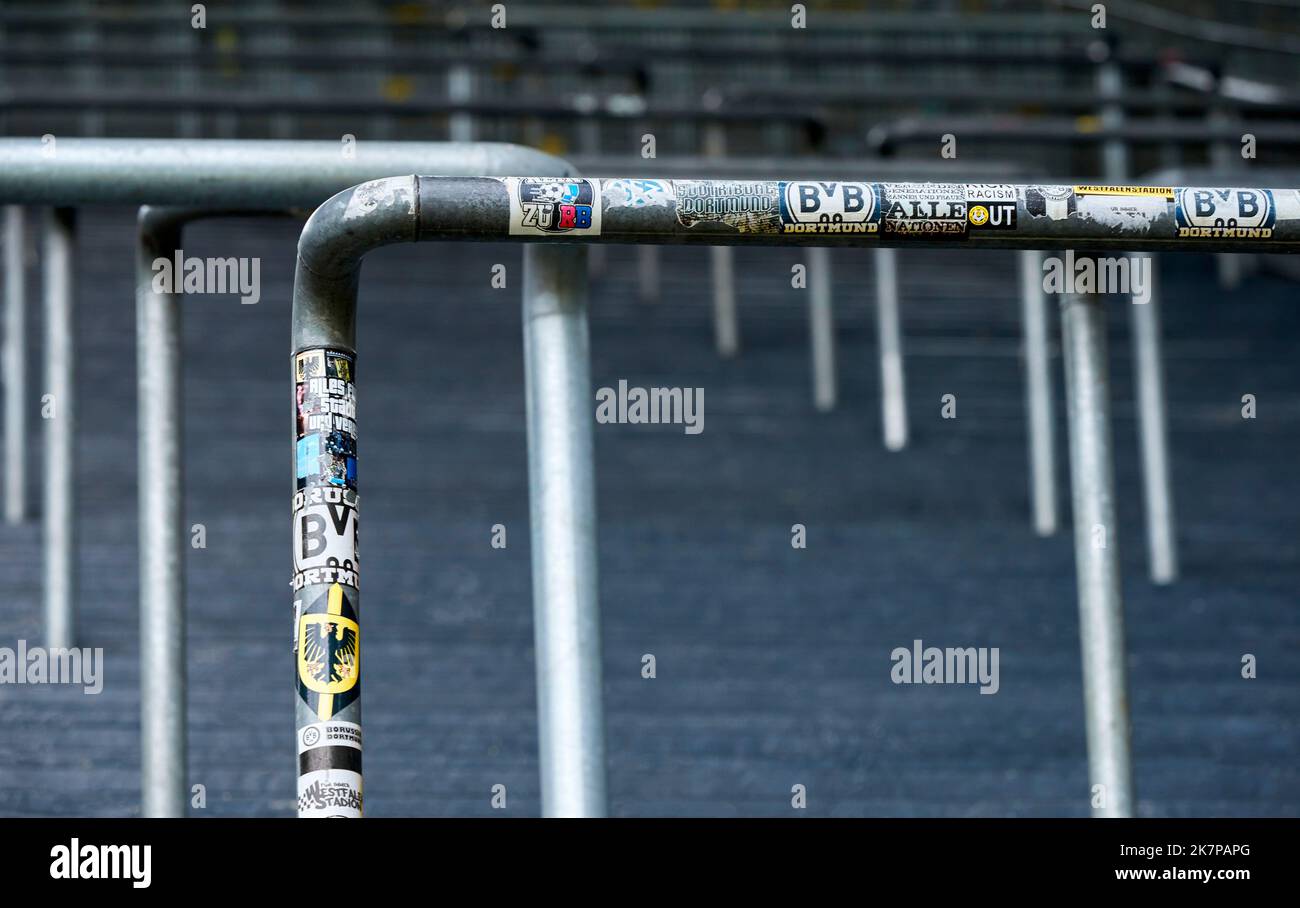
726	322
1225	156
1148	369
1038	392
15	366
893	396
1153	431
59	408
562	502
1114	151
647	262
162	551
460	90
821	327
1096	553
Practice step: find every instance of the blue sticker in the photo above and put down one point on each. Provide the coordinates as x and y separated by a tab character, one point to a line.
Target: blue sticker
308	456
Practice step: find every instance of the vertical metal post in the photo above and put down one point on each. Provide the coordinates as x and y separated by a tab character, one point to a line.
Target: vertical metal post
726	326
1153	432
821	327
59	408
1101	619
726	323
1225	156
562	506
647	260
1038	393
162	560
1110	85
1152	429
460	89
893	397
15	366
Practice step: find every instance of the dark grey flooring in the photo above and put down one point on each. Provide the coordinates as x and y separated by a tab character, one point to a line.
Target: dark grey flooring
773	663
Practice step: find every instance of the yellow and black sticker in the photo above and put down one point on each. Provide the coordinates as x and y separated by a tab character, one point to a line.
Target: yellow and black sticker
1163	192
329	653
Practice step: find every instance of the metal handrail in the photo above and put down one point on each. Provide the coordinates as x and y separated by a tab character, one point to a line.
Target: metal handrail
220	175
345	229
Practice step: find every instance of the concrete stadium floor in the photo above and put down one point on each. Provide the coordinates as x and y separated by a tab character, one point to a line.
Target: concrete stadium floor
773	663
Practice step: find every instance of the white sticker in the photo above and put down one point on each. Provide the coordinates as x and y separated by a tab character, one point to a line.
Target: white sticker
636	193
1236	213
809	206
326	538
553	206
329	793
329	734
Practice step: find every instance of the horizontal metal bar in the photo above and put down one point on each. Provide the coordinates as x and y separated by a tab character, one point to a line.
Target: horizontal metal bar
585	106
863	214
1017	130
791	168
234	173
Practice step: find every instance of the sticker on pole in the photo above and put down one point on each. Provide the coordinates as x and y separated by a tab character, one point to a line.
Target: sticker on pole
325	538
330	793
991	206
329	653
829	207
925	210
553	206
1225	213
746	206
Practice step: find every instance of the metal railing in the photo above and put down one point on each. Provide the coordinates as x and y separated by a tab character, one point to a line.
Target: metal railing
222	177
548	212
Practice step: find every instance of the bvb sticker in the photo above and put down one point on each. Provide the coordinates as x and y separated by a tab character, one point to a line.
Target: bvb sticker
329	653
1225	213
825	207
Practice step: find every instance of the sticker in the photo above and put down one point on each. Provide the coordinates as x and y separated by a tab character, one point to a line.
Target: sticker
329	653
548	206
329	734
1286	204
308	459
929	210
1162	192
991	206
748	206
636	193
326	538
1053	202
817	207
1129	213
1225	213
329	747
326	417
330	793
